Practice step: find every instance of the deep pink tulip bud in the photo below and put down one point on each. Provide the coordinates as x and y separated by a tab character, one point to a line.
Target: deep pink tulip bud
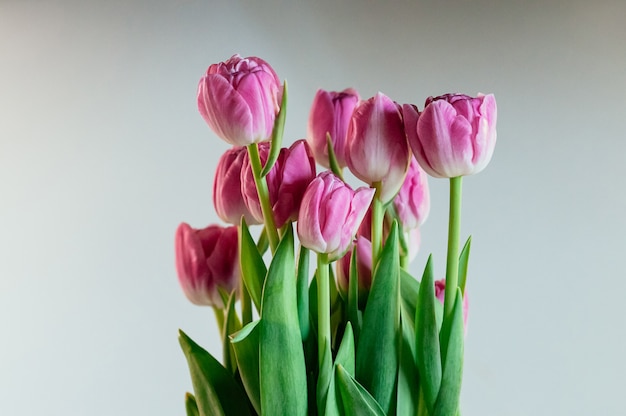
330	113
455	134
412	203
205	260
377	149
286	182
440	293
364	269
239	99
227	198
330	214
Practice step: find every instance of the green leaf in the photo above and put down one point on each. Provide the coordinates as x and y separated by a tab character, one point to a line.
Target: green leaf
282	367
332	157
377	355
190	405
303	292
353	296
231	325
450	391
408	373
346	358
355	398
463	259
216	391
427	338
409	289
324	377
253	268
277	135
246	346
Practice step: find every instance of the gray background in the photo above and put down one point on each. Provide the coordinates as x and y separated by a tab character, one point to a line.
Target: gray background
103	153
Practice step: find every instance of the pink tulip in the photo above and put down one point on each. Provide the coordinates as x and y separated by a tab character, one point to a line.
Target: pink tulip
440	289
455	134
207	259
330	215
364	269
239	99
227	198
286	181
412	203
330	113
376	147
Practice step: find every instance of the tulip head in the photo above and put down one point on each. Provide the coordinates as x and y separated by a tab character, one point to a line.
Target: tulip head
412	203
239	99
207	259
330	214
330	113
454	136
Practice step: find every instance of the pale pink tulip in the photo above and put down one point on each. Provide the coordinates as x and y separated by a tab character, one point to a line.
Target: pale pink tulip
412	203
239	99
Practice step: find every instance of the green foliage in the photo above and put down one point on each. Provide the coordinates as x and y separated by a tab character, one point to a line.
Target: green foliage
253	268
277	135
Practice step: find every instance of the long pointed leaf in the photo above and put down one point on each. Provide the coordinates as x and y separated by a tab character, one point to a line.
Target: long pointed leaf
355	398
303	292
277	134
253	268
346	358
216	391
282	359
191	407
231	325
246	347
463	260
353	296
408	373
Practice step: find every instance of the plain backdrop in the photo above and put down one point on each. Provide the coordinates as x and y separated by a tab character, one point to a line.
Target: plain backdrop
103	154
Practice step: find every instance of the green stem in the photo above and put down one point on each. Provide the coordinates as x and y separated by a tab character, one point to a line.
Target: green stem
323	307
264	196
246	306
219	317
377	223
452	264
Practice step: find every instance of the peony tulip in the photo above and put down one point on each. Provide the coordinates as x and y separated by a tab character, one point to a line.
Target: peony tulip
440	289
330	113
286	182
207	259
455	134
412	204
239	99
364	269
330	215
227	197
376	146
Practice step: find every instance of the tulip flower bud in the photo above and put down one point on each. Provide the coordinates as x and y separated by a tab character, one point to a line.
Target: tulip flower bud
239	99
364	269
440	289
286	182
455	134
376	148
412	204
227	198
330	113
207	259
330	215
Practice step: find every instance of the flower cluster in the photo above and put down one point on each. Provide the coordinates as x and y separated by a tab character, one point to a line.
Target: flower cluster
360	314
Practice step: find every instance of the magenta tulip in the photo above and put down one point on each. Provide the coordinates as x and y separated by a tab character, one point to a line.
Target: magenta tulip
364	269
239	99
455	134
377	149
227	197
207	259
440	289
330	113
412	203
330	215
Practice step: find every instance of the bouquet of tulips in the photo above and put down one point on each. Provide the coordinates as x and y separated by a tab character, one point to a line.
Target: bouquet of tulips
330	322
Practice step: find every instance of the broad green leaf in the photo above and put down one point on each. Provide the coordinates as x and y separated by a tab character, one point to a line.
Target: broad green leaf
253	268
353	296
427	338
463	259
303	292
450	391
377	355
277	135
345	357
246	346
332	158
190	405
231	325
282	367
216	391
355	398
408	373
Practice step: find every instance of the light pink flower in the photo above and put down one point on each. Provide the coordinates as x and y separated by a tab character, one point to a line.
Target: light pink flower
412	203
377	149
205	260
454	136
330	215
330	113
440	293
239	99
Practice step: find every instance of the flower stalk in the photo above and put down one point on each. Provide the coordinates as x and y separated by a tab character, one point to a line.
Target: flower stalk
323	307
378	214
454	231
